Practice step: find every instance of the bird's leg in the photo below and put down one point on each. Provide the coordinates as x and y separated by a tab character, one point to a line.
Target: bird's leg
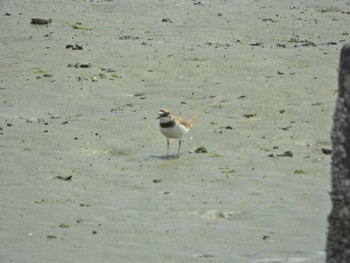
178	150
167	152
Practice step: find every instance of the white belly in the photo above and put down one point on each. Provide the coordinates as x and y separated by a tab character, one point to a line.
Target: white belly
175	132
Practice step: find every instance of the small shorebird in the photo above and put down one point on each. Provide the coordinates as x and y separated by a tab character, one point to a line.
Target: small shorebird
173	127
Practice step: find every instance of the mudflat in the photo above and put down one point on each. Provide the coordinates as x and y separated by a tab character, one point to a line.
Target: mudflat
83	176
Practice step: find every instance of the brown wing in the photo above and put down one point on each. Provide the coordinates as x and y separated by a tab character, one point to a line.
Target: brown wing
187	123
191	120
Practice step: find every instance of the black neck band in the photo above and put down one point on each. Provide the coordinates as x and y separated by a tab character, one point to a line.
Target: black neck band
167	124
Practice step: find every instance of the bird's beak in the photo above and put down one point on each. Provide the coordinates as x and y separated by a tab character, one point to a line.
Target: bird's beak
158	117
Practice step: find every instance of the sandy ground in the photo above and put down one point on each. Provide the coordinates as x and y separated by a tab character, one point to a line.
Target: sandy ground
261	77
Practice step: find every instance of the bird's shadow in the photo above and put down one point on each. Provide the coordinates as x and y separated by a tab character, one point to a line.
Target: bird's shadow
166	157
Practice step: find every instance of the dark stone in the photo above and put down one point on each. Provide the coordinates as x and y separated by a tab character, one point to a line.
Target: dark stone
338	238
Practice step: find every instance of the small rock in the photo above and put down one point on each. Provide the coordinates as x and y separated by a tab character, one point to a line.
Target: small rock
285	154
88	65
257	44
157	181
326	151
286	128
331	43
74	47
41	21
167	20
249	115
201	149
281	45
300	171
128	37
64	178
268	20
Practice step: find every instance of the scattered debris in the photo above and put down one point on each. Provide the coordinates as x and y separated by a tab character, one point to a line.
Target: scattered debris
332	43
47	75
64	178
286	128
215	155
217	214
41	21
198	3
285	154
167	20
309	44
326	151
268	20
74	47
128	37
109	70
249	115
220	130
79	26
227	170
40	71
201	149
265	237
216	44
300	171
78	65
157	180
42	201
256	44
